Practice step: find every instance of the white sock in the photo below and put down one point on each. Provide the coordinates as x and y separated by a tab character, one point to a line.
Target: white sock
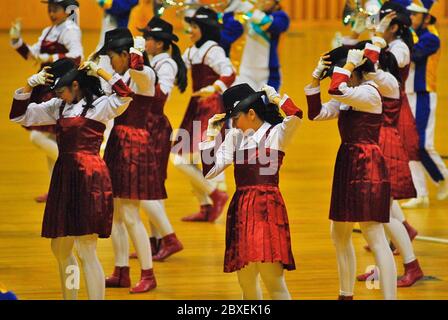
46	142
62	249
341	234
157	216
373	233
137	232
274	280
418	177
93	271
120	242
249	282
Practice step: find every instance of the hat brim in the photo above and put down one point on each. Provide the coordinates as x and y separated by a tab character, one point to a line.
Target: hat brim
416	8
208	22
159	35
244	104
115	44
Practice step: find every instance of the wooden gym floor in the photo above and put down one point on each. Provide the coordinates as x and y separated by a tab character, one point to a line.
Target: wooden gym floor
28	268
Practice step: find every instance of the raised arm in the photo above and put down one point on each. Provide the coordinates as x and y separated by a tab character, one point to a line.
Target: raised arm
143	76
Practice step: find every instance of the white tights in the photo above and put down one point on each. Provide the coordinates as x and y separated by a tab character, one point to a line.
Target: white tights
272	276
68	266
158	219
398	233
373	232
127	221
202	187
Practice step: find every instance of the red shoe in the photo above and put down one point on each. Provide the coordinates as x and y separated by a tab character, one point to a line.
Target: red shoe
411	231
169	245
201	216
219	199
412	273
147	282
154	248
42	198
119	279
365	276
345	297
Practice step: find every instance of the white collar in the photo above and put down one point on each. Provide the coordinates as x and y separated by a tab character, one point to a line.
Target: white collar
261	132
159	57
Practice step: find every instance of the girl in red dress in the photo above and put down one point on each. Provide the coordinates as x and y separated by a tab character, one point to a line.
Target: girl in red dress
132	165
61	40
212	74
80	204
361	186
171	71
258	240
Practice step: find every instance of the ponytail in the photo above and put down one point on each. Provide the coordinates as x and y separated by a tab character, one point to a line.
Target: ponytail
181	77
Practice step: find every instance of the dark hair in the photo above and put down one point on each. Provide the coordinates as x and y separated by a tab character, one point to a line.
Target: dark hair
267	112
176	55
388	62
404	32
121	49
208	33
90	87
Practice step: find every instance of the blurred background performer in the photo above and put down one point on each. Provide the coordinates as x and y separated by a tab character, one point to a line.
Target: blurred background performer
260	61
60	40
212	74
421	89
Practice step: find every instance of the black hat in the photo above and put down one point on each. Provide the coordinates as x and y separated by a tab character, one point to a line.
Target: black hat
60	68
63	3
120	37
239	98
337	57
159	29
66	79
403	15
204	16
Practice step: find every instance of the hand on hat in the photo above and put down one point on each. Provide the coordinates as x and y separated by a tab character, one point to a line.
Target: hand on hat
91	68
356	57
40	79
215	124
379	42
140	43
15	32
385	22
322	65
271	93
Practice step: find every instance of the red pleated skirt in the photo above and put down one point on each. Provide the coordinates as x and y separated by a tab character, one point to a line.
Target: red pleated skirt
160	131
200	110
80	199
407	129
133	168
397	161
361	187
257	229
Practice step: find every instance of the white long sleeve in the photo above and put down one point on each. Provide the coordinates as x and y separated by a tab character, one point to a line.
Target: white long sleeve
166	69
387	84
401	52
143	82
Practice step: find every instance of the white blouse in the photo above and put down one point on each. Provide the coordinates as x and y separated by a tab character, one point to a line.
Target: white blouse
104	108
166	69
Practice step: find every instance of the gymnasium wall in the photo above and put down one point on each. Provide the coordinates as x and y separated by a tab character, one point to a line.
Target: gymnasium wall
302	12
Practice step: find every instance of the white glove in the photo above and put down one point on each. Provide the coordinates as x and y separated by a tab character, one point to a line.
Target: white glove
215	125
271	93
15	33
355	57
385	22
360	23
44	57
208	90
91	67
40	78
320	68
140	43
257	16
379	42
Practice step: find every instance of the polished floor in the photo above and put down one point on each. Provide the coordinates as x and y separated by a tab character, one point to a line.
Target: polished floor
28	267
